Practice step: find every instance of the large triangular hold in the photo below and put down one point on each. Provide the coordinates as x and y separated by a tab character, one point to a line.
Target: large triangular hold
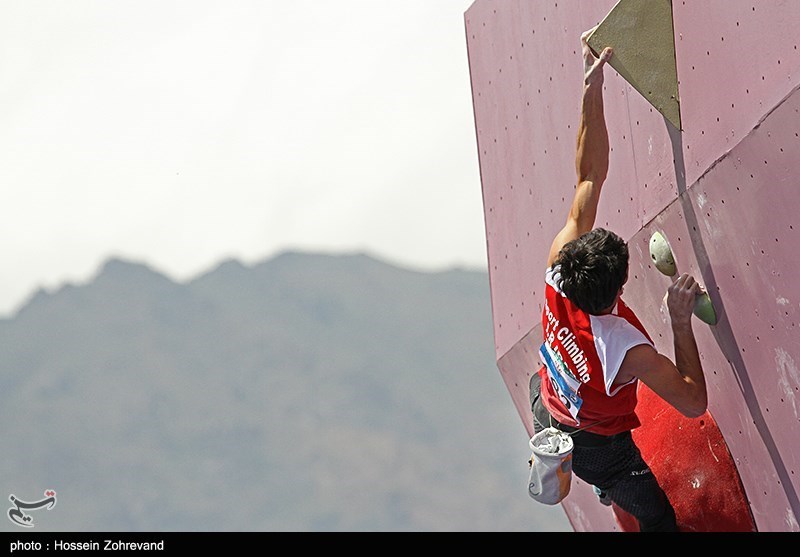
641	33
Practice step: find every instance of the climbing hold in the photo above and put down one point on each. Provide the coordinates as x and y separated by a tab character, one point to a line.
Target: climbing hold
661	254
642	35
704	309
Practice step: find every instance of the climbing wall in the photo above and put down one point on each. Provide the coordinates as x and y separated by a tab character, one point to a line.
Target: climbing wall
723	192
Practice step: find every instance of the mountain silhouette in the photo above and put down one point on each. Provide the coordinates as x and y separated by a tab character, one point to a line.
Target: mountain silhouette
306	392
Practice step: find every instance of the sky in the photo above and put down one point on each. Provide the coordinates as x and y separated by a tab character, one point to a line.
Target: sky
183	133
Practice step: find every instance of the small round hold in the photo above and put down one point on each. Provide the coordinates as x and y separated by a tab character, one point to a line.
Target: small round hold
661	254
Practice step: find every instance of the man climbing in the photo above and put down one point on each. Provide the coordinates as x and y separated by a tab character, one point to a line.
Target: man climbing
596	350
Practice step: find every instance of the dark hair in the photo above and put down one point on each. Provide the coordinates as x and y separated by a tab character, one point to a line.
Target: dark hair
593	268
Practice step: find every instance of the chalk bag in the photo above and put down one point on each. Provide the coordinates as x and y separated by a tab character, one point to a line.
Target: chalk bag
550	466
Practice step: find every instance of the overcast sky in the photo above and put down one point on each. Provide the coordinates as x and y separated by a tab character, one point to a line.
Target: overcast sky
182	133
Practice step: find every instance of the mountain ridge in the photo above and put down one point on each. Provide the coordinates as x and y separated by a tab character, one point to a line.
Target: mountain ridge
319	392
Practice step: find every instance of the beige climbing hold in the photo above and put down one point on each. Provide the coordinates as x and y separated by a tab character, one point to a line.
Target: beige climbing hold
643	37
661	254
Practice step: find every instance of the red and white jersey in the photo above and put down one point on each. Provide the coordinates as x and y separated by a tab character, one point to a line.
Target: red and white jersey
582	354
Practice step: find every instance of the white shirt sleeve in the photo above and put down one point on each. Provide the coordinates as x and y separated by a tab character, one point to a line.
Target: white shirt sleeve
613	337
552	276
